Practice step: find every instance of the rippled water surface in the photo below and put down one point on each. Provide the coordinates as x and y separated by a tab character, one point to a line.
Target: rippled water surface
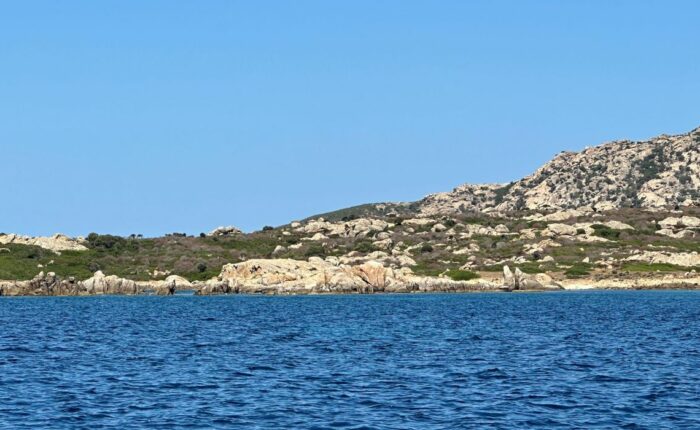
572	360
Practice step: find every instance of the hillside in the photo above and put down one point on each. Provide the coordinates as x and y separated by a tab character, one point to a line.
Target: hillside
660	172
663	171
613	213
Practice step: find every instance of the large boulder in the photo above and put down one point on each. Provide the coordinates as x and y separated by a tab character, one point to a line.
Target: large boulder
101	284
556	229
523	281
213	287
509	279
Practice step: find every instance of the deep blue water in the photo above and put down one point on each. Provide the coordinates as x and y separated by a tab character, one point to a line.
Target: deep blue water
568	360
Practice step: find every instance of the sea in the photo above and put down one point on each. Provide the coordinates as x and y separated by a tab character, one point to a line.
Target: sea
584	360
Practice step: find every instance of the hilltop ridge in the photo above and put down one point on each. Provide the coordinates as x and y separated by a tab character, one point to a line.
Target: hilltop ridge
663	171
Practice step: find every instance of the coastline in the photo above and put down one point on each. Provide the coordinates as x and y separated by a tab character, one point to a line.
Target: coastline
49	285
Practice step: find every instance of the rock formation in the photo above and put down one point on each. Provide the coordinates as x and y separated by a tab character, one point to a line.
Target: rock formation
48	284
683	259
57	242
357	228
684	227
662	171
225	231
522	281
317	276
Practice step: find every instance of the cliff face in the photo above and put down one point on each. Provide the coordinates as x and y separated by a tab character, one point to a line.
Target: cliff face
663	171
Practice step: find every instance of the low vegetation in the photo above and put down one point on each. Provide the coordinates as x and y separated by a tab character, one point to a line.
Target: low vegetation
453	253
462	275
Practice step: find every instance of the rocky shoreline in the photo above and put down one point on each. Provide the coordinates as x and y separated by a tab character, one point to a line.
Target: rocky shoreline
317	276
622	215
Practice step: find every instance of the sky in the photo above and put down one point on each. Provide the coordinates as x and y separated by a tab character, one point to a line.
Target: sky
152	117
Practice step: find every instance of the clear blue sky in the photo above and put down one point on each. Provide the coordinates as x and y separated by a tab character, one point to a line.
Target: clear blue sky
159	116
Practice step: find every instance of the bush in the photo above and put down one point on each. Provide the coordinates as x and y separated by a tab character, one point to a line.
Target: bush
462	275
605	232
202	235
201	267
315	250
395	220
654	267
268	228
426	248
578	270
105	241
364	247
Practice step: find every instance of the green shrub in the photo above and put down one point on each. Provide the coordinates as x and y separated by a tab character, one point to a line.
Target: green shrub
461	275
500	193
315	250
105	241
364	247
530	268
426	269
654	267
578	270
605	232
426	248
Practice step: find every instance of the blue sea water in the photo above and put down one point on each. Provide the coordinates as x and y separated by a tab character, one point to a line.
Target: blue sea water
449	361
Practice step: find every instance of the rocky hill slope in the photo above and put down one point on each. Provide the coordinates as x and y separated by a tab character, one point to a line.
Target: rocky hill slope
620	215
660	172
663	171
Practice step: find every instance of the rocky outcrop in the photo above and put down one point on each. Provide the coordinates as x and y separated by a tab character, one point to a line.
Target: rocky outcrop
44	284
471	230
359	228
519	280
685	227
559	216
166	287
556	230
682	259
318	276
662	171
509	281
213	287
101	284
225	231
51	285
57	242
